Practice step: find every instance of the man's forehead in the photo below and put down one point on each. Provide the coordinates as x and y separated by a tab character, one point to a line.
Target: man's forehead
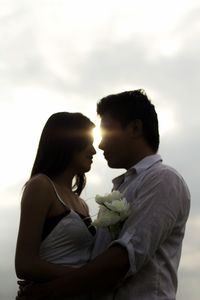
107	121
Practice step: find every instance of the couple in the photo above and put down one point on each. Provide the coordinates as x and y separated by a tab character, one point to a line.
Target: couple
59	248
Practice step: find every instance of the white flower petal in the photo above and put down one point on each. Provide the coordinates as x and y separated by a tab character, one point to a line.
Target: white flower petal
113	208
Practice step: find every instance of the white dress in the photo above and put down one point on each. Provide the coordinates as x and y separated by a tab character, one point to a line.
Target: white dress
69	243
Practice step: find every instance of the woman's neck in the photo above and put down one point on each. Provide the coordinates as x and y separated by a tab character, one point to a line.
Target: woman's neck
65	180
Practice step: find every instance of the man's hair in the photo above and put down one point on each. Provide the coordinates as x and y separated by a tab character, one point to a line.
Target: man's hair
129	106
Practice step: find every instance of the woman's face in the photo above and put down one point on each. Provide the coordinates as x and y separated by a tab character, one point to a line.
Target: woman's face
82	160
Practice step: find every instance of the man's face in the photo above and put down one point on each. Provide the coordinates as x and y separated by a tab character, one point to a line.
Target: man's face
115	142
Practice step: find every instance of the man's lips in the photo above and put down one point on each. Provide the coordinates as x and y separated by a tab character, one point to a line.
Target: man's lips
106	155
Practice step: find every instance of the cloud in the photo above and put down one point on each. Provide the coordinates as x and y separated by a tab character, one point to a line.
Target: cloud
70	55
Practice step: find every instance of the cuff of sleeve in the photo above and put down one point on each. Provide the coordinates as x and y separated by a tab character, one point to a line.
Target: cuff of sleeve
125	241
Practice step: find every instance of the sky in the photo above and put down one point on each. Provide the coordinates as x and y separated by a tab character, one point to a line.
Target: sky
59	55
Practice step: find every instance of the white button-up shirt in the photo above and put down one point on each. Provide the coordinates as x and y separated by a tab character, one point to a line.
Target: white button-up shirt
153	233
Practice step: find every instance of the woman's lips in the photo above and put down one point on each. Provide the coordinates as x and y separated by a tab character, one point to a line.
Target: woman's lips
90	158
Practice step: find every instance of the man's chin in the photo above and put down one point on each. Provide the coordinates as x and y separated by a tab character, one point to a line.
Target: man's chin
113	165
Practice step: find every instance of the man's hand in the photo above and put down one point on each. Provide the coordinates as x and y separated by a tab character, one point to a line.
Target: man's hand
23	284
33	291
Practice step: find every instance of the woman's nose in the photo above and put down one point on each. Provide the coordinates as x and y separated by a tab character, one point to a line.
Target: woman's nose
93	150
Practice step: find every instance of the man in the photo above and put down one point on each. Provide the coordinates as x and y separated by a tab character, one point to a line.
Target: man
142	263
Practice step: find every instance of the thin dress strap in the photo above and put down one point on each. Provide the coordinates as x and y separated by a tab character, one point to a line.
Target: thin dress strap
58	196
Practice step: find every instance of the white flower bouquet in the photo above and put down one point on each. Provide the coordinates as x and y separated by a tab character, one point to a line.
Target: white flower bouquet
113	210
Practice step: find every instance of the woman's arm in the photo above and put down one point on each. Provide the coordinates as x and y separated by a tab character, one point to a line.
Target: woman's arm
36	203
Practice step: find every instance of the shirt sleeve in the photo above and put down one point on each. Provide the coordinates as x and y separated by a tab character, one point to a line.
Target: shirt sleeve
159	207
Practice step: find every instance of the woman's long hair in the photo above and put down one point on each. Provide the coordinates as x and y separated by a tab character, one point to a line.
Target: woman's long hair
63	135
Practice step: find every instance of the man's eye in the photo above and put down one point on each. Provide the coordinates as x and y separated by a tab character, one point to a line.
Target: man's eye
108	133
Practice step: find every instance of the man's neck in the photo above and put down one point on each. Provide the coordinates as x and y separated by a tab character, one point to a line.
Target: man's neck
137	158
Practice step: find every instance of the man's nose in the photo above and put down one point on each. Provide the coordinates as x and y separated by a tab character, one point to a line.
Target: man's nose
101	145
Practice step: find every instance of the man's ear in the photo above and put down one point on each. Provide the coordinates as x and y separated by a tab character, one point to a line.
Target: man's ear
136	128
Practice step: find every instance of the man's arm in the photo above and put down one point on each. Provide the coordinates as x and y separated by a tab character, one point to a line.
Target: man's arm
104	272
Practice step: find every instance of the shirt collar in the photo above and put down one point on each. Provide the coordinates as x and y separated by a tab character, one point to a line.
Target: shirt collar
142	165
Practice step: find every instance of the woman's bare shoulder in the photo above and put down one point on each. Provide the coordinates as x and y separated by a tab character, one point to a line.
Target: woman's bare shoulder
38	181
39	186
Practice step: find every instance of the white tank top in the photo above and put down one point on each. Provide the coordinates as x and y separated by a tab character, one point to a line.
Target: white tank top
70	242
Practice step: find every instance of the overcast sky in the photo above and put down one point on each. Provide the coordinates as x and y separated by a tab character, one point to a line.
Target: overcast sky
59	55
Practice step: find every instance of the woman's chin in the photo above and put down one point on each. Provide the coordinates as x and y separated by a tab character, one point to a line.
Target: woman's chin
86	169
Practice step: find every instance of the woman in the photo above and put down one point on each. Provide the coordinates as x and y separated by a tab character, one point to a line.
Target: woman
55	232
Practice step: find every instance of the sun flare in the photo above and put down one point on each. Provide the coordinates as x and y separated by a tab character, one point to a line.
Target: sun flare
97	134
